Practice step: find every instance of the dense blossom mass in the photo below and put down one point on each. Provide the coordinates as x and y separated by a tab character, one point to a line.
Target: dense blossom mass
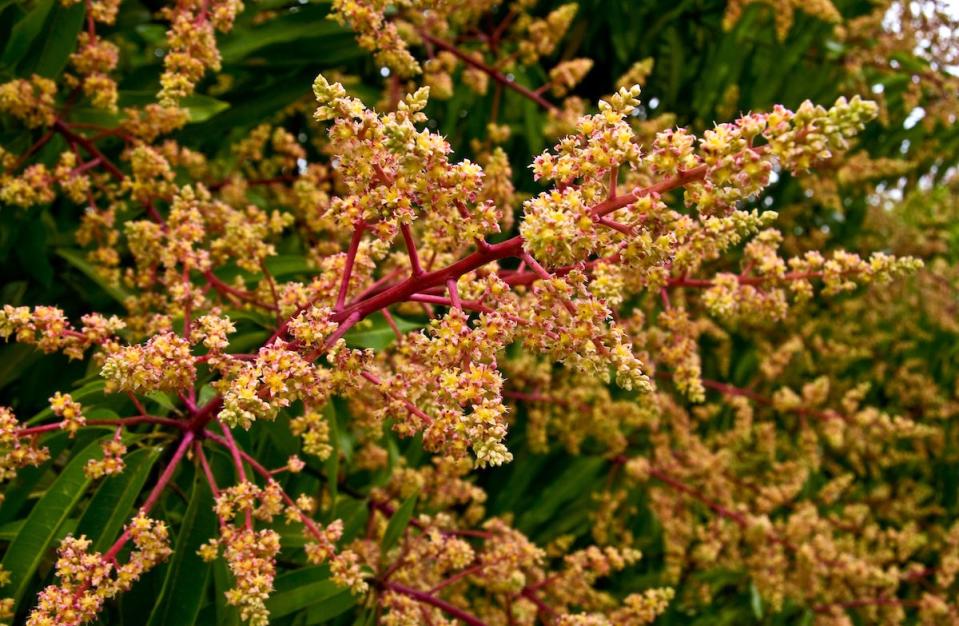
328	334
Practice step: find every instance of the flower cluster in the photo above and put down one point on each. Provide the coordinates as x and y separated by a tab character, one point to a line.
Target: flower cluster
112	462
31	101
387	313
87	579
163	363
49	329
14	453
65	407
250	556
192	42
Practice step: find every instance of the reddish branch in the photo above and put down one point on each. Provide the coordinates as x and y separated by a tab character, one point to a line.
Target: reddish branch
348	266
155	493
861	602
715	507
427	598
732	390
265	473
61	127
411	249
492	72
123	421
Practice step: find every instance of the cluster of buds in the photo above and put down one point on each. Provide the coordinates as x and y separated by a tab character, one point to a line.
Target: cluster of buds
30	101
251	558
192	45
111	463
87	579
763	293
784	12
50	331
163	363
15	453
278	376
396	173
93	61
69	410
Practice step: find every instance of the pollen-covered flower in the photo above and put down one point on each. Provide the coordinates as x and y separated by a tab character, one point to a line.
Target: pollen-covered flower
163	363
65	407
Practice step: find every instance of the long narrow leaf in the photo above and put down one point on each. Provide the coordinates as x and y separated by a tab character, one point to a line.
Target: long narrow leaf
187	575
110	505
30	546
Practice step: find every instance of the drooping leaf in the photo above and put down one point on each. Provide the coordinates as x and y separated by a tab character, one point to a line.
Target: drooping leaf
332	463
330	608
310	22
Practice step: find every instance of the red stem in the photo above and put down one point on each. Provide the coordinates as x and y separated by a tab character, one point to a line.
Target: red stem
348	267
262	471
443	605
205	465
490	71
123	421
454	294
411	249
61	127
412	408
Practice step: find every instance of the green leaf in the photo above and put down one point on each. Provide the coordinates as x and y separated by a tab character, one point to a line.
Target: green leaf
755	601
288	28
377	334
90	390
187	576
332	464
330	608
25	32
398	523
286	265
10	530
110	505
201	108
77	260
577	479
226	614
30	546
14	358
32	251
300	589
163	399
59	40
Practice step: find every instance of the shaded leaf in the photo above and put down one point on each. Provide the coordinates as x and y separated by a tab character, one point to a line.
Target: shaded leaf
77	260
187	575
398	523
300	589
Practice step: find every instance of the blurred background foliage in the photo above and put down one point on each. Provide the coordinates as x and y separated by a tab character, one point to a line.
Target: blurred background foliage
702	73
